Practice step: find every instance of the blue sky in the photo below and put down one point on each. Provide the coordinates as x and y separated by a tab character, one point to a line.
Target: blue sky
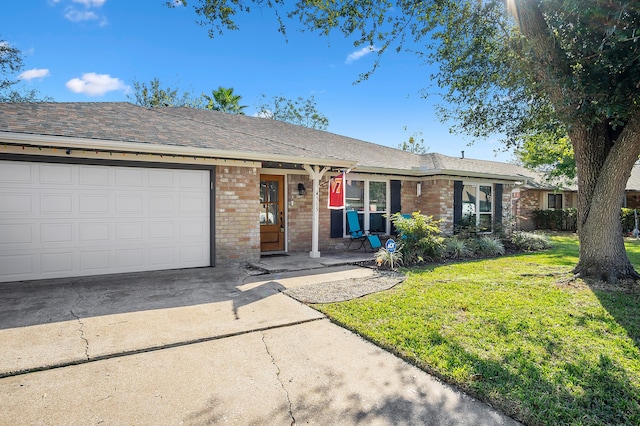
93	50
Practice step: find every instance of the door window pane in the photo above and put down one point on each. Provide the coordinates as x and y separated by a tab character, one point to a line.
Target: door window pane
269	202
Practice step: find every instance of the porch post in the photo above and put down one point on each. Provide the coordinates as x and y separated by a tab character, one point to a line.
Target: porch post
316	174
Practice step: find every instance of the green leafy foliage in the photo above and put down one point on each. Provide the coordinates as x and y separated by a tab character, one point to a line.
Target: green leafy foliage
458	248
154	95
488	245
420	235
414	144
223	99
556	220
387	259
10	89
550	153
529	241
302	112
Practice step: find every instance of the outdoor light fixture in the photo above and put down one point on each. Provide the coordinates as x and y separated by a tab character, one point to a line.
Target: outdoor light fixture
301	189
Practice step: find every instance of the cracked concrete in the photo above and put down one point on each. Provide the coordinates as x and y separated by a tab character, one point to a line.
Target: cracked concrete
81	330
213	367
286	392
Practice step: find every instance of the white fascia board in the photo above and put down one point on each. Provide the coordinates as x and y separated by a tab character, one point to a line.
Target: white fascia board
440	172
150	148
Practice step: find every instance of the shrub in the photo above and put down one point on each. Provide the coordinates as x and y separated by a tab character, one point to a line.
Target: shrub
420	236
529	241
387	259
458	248
489	246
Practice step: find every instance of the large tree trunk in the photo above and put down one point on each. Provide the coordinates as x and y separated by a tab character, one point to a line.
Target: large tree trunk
604	165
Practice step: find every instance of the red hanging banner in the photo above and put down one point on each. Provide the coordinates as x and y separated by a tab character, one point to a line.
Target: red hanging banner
336	192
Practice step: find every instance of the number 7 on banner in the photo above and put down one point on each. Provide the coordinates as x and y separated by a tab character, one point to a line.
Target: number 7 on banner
336	192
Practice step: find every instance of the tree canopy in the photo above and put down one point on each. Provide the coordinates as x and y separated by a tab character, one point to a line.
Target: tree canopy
10	64
223	99
154	95
301	111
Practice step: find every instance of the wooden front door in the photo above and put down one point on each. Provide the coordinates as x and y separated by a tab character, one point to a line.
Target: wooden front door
272	205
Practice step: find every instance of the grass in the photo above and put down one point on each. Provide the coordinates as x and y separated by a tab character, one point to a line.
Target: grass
517	332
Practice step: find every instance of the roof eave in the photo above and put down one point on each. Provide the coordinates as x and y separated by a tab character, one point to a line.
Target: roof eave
150	148
439	172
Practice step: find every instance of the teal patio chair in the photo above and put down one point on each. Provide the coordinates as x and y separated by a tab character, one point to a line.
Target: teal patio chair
357	234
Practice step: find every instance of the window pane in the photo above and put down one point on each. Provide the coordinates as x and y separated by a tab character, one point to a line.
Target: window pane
272	214
485	223
469	201
377	222
273	192
377	196
485	199
355	195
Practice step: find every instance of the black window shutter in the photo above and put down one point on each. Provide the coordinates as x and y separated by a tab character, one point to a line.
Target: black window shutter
498	201
396	196
457	202
396	200
336	224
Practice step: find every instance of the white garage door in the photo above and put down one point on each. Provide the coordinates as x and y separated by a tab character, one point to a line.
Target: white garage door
65	220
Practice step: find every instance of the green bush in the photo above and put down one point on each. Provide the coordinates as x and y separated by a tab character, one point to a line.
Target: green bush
420	237
556	220
457	248
529	241
488	245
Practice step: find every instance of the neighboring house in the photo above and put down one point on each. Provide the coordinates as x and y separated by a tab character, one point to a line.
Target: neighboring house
96	188
632	193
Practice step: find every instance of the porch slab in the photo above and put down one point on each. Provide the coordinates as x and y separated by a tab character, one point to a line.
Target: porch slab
301	261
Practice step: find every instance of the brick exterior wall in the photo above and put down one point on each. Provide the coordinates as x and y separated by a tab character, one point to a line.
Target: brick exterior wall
523	204
237	227
299	213
437	201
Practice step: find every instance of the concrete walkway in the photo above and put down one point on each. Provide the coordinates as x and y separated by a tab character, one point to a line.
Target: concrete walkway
203	346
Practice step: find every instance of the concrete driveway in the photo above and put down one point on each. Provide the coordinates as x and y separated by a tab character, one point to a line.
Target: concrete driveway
203	346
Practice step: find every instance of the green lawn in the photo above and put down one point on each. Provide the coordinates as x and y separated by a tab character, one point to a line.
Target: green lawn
517	332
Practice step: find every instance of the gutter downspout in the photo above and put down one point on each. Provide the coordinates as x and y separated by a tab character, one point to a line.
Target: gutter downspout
316	174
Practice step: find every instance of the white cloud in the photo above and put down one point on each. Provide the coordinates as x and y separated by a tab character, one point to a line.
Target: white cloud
360	53
80	15
90	3
34	73
93	84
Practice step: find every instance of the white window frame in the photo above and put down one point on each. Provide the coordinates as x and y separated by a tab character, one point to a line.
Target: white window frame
478	213
367	205
546	200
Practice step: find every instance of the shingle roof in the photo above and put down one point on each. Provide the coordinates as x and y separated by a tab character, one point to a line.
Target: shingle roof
187	127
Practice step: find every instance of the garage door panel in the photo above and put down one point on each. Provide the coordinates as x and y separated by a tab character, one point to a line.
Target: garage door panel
56	262
129	177
58	174
56	233
52	203
94	261
14	235
16	173
94	204
59	220
16	203
93	176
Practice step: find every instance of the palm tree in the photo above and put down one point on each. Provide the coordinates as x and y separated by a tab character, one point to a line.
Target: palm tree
223	99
